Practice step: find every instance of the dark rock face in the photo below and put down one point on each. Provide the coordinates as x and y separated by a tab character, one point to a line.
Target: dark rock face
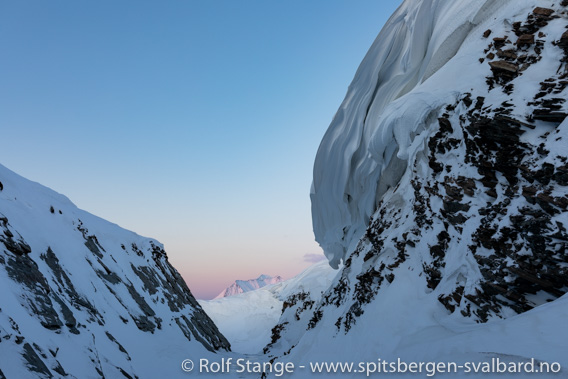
563	43
518	56
34	362
13	244
300	306
24	271
504	70
521	259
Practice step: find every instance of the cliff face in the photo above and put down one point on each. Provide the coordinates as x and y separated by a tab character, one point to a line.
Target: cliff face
85	298
442	186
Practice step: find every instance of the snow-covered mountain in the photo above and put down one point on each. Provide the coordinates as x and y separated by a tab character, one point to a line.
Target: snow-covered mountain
441	184
242	286
84	298
247	319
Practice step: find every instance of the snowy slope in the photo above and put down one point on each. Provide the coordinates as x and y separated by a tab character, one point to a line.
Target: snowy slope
82	297
241	286
441	184
538	334
247	319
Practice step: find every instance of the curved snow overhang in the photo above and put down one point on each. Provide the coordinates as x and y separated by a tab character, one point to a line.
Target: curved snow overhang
365	149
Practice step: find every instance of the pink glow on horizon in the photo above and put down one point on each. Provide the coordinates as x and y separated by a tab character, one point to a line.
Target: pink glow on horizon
213	262
207	282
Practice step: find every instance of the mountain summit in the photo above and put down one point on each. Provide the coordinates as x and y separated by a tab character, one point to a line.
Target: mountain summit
242	286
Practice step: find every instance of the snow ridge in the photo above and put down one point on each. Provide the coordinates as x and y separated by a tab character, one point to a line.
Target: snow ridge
82	297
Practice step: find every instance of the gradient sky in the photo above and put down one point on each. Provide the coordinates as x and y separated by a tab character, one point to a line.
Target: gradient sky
192	122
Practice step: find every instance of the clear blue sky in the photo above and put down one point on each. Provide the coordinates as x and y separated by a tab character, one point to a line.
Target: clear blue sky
193	122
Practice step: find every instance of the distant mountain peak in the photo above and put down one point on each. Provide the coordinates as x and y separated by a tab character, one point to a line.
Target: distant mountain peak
241	286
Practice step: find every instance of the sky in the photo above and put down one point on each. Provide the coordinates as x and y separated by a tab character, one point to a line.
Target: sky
190	121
